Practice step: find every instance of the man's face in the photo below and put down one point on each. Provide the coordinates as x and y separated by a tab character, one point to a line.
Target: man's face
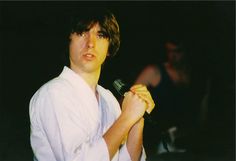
88	50
173	54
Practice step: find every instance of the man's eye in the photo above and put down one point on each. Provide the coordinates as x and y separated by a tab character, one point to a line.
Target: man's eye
82	34
102	36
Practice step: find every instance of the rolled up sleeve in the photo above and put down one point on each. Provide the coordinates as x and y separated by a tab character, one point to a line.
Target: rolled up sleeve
92	151
125	156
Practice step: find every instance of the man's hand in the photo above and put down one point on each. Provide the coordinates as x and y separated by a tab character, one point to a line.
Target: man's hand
136	102
144	94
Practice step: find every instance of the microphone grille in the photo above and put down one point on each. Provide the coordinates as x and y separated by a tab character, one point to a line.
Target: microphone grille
118	84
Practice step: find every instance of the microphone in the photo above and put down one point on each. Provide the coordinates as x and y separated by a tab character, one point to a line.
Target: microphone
121	88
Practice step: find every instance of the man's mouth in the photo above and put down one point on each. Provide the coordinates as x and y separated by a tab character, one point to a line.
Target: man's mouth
89	56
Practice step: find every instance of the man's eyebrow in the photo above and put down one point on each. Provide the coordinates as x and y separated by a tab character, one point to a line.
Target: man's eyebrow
82	30
100	31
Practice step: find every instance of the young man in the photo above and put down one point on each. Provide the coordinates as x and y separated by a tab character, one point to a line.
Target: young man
75	119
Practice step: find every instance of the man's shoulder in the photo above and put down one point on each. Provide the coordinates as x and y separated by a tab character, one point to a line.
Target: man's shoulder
52	86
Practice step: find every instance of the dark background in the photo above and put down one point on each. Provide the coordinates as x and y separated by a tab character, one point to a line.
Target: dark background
33	43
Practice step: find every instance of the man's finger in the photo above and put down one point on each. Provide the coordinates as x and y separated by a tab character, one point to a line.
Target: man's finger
138	86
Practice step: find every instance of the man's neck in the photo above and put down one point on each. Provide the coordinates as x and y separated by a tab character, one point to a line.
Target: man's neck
90	78
175	66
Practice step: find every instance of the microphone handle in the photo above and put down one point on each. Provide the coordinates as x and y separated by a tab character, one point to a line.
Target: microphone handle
147	116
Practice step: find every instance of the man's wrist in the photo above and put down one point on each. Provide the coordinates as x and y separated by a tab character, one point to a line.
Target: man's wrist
139	124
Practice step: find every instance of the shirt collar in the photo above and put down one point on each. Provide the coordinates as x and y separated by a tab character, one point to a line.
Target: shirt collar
75	79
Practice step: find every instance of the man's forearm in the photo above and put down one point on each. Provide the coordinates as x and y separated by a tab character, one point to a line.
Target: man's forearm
115	135
135	140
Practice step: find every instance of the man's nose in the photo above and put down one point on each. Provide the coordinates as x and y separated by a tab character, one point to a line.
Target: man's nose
91	41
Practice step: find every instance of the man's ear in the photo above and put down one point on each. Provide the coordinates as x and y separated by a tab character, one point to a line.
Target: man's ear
70	36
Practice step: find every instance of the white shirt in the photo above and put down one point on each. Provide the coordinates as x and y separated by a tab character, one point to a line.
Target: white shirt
67	121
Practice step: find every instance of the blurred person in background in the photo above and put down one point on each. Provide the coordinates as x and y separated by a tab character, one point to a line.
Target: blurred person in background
170	85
